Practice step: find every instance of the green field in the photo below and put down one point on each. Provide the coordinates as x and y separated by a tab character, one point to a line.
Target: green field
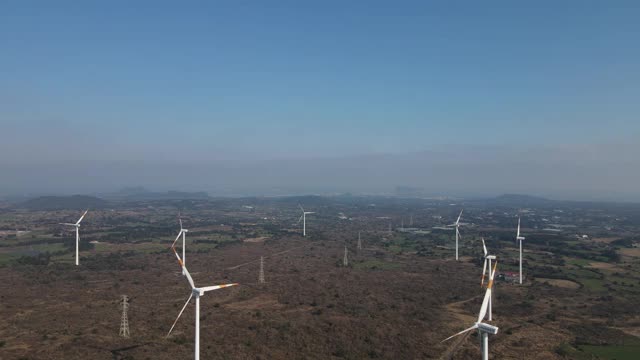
577	262
612	352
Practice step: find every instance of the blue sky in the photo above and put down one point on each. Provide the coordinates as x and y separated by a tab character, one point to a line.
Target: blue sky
154	80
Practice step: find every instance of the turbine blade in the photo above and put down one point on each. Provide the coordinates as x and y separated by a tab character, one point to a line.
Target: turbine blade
301	216
176	240
484	270
484	247
216	287
518	234
189	278
461	332
180	220
82	217
301	208
493	273
180	314
178	256
485	304
459	216
487	295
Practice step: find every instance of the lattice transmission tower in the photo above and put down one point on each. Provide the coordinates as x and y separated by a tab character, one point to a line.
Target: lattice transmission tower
261	275
345	261
124	322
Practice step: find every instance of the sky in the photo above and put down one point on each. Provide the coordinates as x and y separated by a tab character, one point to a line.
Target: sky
95	95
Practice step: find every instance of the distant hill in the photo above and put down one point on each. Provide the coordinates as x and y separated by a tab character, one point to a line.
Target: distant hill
519	200
133	190
169	195
305	200
409	191
74	202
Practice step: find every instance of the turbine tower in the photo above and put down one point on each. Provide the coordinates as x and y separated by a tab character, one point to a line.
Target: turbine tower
303	217
261	275
519	239
487	259
198	292
483	329
77	226
359	241
345	260
124	322
456	226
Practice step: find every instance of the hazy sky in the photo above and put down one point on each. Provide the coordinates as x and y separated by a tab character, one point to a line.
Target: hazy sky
87	86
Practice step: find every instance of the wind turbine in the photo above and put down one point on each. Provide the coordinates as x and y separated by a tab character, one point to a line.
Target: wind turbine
303	217
183	233
484	329
77	226
519	239
487	258
457	228
198	292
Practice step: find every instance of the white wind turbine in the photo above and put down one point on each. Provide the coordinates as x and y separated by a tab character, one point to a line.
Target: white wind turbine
457	229
303	217
183	233
77	226
487	258
198	292
519	239
484	329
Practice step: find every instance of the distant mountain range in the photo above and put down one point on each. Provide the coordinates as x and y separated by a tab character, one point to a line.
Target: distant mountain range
78	202
520	200
139	193
74	202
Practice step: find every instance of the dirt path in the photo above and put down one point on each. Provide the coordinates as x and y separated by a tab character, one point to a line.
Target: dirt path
451	350
466	320
461	313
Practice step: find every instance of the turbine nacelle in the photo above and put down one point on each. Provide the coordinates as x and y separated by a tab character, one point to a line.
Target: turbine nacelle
197	292
486	328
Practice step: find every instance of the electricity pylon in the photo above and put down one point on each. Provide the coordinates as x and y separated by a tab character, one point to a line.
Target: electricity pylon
345	261
124	322
261	275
